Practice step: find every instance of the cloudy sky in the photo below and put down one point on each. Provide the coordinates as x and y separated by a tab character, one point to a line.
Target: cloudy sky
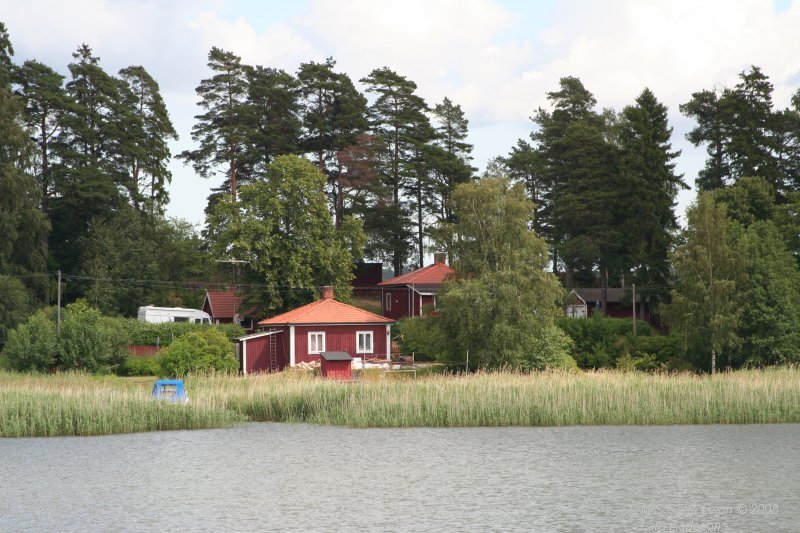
497	59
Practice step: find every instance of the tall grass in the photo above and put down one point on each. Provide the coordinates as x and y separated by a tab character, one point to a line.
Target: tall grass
78	404
508	399
81	405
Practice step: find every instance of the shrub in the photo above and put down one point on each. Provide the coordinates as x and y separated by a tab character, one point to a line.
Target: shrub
421	336
645	362
205	350
33	345
14	306
141	366
663	347
163	334
89	341
599	340
551	349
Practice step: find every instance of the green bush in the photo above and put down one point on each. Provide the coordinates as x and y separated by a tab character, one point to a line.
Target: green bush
551	349
205	350
663	347
163	334
644	361
421	336
33	346
599	340
14	306
89	341
141	366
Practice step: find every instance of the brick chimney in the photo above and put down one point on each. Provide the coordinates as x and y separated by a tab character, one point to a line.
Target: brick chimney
327	292
439	258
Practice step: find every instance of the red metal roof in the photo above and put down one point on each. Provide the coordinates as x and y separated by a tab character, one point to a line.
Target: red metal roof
434	274
326	311
225	304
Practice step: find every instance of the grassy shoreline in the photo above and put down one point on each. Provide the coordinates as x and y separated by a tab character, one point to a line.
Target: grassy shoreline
75	404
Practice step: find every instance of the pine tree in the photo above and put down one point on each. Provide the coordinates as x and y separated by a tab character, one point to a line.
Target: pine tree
23	225
745	135
149	136
398	117
41	88
272	118
357	188
334	119
525	164
579	165
651	186
709	109
221	130
448	160
89	176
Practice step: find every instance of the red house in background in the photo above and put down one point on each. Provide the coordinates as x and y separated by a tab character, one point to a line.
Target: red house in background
582	303
301	335
406	294
224	307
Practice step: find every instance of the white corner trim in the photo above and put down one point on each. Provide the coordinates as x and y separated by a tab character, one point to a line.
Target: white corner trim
291	346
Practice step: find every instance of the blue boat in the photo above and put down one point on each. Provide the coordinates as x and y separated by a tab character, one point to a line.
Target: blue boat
171	390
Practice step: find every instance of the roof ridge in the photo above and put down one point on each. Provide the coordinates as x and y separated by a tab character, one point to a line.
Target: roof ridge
298	314
357	309
409	277
307	308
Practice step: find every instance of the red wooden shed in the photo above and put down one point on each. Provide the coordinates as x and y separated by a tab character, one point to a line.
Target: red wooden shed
337	365
407	294
302	334
225	307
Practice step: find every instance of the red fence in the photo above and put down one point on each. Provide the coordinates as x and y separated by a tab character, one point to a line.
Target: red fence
143	350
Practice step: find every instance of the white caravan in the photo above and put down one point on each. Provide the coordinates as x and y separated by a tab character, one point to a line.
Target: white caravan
158	315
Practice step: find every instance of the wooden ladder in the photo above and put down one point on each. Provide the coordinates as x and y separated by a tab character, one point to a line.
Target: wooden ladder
273	351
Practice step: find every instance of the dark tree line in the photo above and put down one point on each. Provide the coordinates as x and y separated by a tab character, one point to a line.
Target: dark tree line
83	187
604	186
392	163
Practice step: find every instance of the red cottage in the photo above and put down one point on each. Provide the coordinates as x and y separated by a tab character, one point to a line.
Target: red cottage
582	303
224	307
407	294
302	334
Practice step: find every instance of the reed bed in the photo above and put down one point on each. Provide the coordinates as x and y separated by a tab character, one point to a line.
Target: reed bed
79	405
74	404
510	399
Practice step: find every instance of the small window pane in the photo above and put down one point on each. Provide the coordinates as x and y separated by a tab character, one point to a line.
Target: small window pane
364	340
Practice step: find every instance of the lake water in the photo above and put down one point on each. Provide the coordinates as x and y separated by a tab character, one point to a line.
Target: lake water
280	477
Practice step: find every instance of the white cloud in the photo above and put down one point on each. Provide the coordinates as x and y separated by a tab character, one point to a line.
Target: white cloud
279	46
675	48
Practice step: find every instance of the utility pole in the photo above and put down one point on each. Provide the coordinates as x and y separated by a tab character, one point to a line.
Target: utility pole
235	265
633	299
58	324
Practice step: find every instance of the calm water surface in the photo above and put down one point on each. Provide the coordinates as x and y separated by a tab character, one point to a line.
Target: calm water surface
279	477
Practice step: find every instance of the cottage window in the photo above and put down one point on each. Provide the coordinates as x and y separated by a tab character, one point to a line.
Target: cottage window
364	342
316	341
388	305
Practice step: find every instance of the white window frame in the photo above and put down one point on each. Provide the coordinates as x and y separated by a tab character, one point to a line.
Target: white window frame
388	303
371	348
314	334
